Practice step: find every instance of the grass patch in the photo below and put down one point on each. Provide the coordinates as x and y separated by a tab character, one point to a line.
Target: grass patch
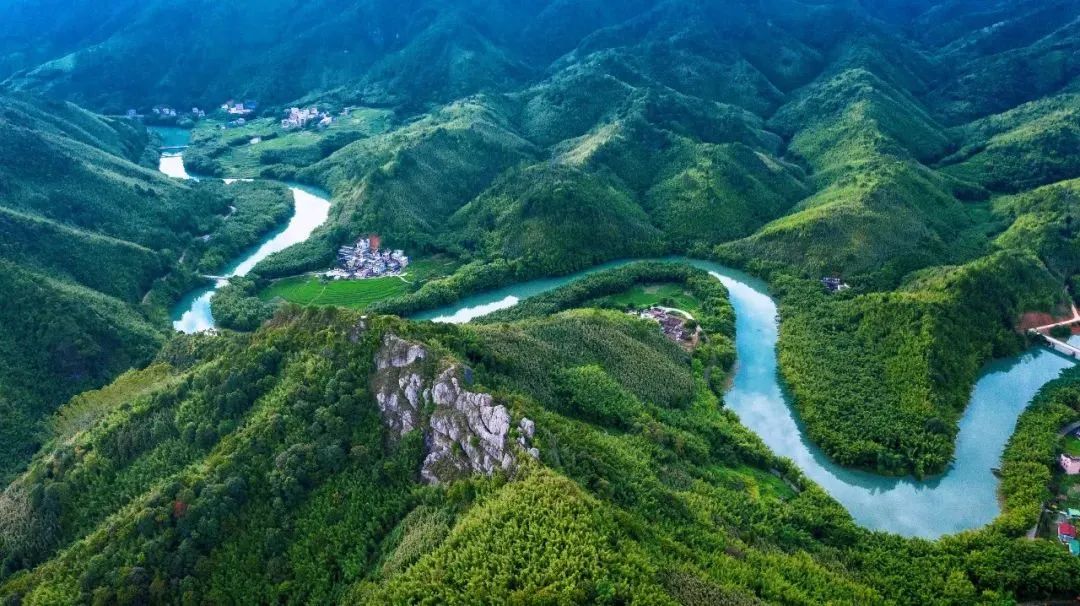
1071	446
232	150
356	294
759	484
647	295
1069	487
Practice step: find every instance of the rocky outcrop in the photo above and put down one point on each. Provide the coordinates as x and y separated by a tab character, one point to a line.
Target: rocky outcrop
465	432
398	353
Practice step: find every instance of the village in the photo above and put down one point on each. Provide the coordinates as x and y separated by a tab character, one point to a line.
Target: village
367	260
677	325
1064	509
296	117
235	114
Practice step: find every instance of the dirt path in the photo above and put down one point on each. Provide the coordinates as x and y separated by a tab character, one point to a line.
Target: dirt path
1075	319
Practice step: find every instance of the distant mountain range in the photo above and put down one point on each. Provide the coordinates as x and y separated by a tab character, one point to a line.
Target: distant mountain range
925	152
416	52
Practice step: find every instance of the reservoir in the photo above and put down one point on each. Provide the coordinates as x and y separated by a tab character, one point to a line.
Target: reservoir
962	498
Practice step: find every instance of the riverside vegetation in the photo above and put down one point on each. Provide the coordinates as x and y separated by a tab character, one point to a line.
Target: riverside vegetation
261	466
924	151
96	245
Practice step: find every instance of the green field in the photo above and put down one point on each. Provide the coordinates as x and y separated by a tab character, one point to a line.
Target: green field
647	295
1072	446
232	148
355	294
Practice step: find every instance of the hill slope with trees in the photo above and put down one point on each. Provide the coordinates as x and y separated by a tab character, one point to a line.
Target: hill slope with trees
90	257
263	466
863	140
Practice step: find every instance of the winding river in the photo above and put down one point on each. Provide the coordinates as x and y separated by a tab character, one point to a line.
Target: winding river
310	210
964	497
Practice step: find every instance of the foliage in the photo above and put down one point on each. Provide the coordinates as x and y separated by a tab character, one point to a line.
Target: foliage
259	471
1023	148
881	379
95	249
555	221
852	139
236	306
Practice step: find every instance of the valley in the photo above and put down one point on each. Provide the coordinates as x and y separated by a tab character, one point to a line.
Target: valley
656	302
193	313
963	498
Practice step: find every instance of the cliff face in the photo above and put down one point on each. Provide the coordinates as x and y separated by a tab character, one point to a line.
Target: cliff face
464	432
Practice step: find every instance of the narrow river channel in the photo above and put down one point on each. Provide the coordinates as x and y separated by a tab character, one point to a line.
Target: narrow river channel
310	210
964	497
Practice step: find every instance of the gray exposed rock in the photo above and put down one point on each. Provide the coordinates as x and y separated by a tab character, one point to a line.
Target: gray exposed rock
465	433
398	353
358	329
528	430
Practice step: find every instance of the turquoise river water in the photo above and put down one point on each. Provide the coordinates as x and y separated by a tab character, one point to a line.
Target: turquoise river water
964	497
310	210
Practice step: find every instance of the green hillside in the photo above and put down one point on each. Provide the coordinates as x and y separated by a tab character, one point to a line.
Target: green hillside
1023	148
820	141
95	248
261	467
320	450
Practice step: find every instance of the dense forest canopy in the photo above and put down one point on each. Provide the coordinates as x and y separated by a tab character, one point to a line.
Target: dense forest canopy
96	244
924	154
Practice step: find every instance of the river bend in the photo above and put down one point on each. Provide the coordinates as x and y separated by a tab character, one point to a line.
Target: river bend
962	498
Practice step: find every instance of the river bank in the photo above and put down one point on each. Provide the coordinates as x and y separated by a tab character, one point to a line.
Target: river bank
311	208
963	498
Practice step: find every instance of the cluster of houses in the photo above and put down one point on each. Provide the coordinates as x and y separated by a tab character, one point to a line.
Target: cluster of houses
1066	525
368	260
164	111
673	324
1069	464
234	108
834	285
296	117
1066	531
164	114
240	113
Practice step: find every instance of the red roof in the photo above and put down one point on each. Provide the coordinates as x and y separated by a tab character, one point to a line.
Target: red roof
1066	529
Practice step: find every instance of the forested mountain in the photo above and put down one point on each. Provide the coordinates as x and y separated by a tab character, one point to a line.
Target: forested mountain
924	152
416	52
857	139
89	234
832	139
333	457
